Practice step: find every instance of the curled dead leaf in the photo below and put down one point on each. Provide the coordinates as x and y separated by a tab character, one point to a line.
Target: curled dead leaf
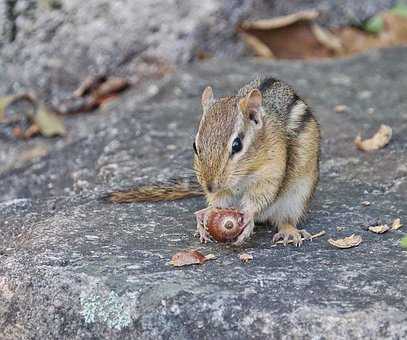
327	39
396	224
380	139
245	257
110	87
94	92
347	242
190	257
259	47
33	119
48	122
379	229
76	105
89	85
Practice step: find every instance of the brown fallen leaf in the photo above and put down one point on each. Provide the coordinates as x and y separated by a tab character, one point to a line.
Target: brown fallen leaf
259	47
379	229
94	92
32	131
396	224
379	140
298	36
38	119
321	233
76	105
189	257
89	85
48	122
347	242
327	39
109	87
245	257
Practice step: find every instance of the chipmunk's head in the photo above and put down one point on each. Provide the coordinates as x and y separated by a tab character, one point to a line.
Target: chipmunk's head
225	153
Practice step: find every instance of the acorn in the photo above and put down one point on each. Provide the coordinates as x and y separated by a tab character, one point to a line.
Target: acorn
224	225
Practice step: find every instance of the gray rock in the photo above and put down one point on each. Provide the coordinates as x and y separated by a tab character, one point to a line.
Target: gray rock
46	42
74	267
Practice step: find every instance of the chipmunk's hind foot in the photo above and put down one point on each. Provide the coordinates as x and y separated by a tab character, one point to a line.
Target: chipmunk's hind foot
288	232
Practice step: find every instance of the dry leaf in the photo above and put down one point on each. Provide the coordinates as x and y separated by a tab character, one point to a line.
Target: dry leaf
295	36
76	105
189	257
93	92
396	224
266	24
48	123
347	242
380	139
245	257
89	85
110	87
327	39
259	47
32	131
379	229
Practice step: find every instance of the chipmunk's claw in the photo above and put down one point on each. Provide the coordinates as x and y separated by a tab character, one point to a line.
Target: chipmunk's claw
289	232
248	223
202	234
201	231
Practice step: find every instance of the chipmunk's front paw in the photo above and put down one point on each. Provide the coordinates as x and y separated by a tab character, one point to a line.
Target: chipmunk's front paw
248	223
201	231
288	232
204	236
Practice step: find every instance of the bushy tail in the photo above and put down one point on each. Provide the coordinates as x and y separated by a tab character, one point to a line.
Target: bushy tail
169	191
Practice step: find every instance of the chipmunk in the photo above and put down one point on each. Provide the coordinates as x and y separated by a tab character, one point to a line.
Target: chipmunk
257	151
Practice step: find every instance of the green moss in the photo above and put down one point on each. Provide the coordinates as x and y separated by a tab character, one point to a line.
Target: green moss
374	24
403	242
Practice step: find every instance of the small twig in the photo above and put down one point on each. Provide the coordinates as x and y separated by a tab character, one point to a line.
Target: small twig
321	233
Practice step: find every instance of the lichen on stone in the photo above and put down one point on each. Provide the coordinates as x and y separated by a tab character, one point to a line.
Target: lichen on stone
110	311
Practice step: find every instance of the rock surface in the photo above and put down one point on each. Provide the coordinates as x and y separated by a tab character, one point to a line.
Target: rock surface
74	267
42	41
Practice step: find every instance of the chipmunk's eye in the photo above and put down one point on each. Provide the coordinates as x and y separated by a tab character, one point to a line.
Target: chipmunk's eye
195	150
236	145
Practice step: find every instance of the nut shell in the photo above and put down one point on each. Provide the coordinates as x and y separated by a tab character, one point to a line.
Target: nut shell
224	225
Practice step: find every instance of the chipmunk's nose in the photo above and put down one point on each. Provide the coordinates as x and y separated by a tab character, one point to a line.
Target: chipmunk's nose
212	186
209	186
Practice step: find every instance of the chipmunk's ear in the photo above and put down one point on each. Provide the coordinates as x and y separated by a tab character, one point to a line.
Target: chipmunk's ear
207	97
251	107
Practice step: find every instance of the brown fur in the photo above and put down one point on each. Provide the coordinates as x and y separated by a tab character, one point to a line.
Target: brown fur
176	190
